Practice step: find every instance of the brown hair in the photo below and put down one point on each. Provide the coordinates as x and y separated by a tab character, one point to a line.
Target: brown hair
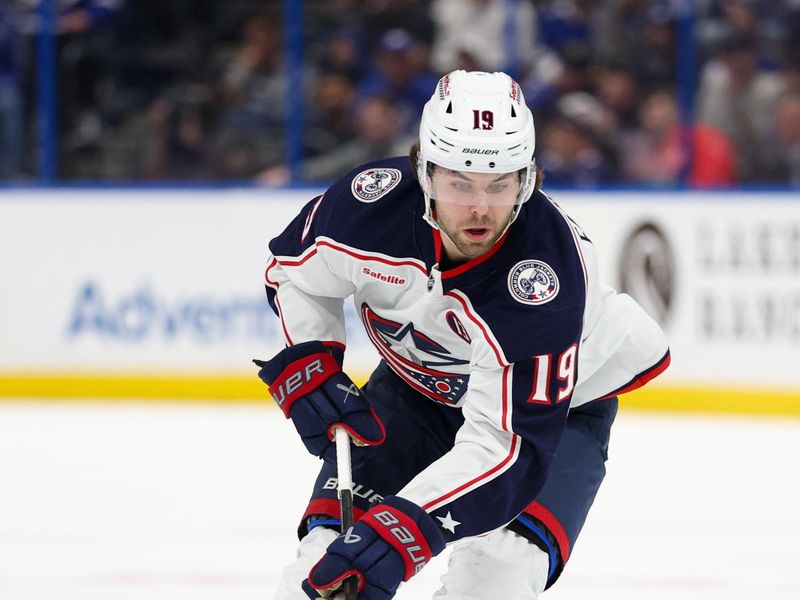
413	156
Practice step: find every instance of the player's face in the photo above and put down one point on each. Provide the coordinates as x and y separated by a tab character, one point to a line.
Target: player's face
473	209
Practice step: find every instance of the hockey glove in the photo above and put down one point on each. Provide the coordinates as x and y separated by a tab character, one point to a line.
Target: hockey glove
307	382
390	544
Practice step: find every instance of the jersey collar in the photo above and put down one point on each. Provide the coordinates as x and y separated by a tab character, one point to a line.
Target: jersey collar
471	264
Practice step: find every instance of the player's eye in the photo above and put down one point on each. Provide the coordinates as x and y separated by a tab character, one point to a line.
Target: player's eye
462	187
496	188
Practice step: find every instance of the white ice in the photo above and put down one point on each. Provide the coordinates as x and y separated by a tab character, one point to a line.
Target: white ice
138	501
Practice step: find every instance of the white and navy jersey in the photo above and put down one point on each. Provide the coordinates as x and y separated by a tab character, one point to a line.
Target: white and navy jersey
513	338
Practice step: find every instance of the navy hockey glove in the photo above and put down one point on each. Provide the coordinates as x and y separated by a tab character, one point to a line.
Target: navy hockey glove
390	544
307	382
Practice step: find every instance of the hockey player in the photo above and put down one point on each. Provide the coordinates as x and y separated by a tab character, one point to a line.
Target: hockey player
486	424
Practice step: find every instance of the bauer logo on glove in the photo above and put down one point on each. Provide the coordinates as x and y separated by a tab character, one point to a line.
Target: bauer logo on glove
301	377
390	544
307	382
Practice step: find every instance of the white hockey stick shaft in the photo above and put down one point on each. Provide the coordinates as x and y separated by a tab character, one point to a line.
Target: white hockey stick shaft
345	492
343	470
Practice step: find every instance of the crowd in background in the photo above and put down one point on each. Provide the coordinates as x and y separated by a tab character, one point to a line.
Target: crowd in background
195	89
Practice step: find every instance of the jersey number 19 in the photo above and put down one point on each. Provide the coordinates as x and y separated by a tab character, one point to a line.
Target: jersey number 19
541	393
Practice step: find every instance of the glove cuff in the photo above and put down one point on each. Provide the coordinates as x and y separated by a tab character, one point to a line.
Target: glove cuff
408	529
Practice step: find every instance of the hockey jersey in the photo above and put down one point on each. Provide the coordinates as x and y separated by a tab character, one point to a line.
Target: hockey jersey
513	338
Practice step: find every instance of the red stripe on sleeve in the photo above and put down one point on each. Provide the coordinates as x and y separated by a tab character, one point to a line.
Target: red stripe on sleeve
480	477
506	400
276	286
297	263
506	374
364	256
642	378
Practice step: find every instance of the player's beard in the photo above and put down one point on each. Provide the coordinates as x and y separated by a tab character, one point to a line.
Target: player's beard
468	247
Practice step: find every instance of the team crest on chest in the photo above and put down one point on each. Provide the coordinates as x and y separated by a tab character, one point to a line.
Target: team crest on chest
372	184
533	282
419	360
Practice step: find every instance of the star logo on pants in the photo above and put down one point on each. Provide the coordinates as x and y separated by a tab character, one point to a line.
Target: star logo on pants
448	522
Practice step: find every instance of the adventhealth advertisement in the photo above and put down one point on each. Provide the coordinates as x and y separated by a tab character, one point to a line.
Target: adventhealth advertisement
161	287
160	284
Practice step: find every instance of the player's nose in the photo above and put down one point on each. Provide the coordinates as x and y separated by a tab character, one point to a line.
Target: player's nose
480	204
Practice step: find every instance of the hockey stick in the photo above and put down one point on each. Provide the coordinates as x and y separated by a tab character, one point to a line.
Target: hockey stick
345	492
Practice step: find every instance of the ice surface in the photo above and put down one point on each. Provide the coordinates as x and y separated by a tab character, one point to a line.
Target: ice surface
138	501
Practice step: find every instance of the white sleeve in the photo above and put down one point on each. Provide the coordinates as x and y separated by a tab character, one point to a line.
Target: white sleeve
308	296
624	349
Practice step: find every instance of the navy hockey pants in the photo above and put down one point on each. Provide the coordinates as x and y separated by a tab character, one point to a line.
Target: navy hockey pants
419	431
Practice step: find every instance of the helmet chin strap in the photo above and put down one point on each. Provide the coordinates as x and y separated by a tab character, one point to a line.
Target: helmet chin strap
429	217
511	219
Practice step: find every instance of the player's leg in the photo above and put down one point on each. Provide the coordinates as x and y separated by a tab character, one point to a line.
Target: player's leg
554	520
418	432
502	564
530	555
309	552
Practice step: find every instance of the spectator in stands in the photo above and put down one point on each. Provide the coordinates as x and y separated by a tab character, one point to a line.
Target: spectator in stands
330	118
572	153
379	134
380	16
760	20
739	99
564	74
783	155
791	50
617	50
472	34
11	111
618	90
342	55
158	44
253	89
637	34
658	153
566	24
741	17
85	40
401	76
181	146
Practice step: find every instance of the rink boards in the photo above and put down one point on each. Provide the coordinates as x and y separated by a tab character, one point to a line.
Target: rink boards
118	293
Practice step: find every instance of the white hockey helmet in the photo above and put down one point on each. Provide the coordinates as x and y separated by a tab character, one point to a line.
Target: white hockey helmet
477	122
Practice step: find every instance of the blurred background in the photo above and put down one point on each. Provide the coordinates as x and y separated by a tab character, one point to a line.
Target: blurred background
150	150
646	92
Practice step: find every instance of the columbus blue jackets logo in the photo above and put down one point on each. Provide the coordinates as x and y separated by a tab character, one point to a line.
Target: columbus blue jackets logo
533	282
372	184
418	359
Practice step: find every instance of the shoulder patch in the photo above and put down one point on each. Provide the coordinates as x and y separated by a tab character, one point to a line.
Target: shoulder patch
533	282
372	184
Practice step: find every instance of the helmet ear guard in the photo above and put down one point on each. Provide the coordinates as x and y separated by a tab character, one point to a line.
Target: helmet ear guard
476	122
